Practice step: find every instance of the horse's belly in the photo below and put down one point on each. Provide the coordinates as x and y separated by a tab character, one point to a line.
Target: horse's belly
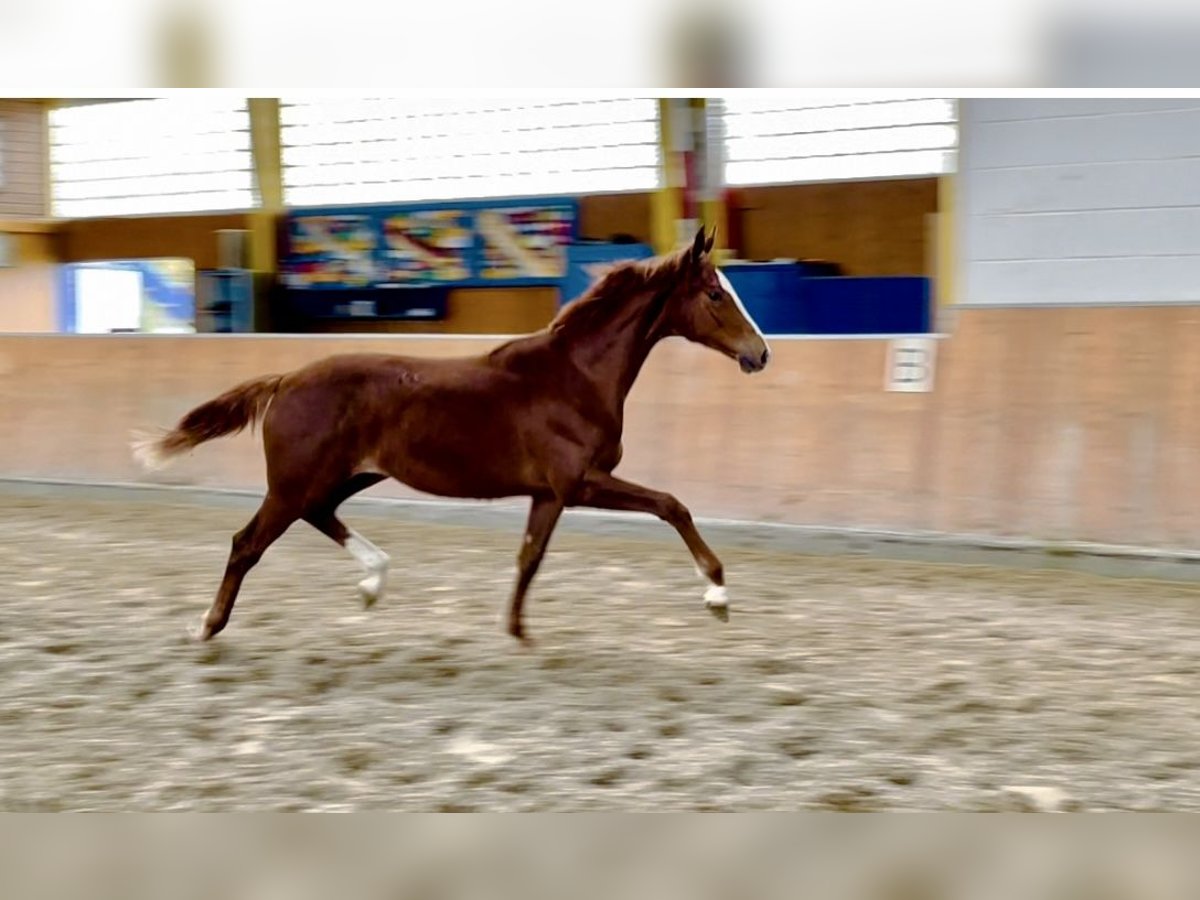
432	480
481	468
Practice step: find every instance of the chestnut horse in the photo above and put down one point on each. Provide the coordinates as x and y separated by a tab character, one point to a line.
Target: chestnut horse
539	416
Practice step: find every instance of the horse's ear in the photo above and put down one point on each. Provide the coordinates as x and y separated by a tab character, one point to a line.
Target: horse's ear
698	249
708	244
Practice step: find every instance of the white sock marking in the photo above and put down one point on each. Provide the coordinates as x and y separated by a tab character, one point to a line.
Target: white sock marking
716	596
374	560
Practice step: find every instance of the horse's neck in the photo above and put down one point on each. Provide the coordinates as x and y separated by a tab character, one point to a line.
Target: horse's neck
612	353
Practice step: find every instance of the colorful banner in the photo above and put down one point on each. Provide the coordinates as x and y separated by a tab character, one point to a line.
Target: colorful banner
462	243
332	251
427	245
524	241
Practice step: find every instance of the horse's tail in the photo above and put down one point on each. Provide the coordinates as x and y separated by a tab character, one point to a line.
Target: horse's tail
226	414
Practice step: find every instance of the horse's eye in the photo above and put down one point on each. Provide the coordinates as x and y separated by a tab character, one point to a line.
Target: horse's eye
715	294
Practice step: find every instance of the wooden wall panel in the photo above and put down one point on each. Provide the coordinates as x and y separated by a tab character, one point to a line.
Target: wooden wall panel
870	227
29	287
147	237
1055	424
487	311
603	215
27	299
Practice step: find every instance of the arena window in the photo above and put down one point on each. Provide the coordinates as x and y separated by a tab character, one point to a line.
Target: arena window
137	157
382	149
767	141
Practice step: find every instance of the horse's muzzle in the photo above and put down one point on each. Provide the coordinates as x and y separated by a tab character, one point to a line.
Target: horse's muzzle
751	364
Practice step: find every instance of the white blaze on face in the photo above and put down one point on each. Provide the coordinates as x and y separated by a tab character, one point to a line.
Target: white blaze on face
725	283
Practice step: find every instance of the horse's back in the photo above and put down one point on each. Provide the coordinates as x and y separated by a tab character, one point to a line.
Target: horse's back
420	420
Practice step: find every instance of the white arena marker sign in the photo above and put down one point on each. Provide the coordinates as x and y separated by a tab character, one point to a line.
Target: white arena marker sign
910	365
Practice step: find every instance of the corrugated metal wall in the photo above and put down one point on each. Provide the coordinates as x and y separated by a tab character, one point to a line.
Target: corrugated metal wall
23	179
1080	201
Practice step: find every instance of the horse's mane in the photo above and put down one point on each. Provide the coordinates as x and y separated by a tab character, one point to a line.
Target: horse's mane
615	287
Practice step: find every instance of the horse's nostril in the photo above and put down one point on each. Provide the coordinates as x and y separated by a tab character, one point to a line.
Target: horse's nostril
751	362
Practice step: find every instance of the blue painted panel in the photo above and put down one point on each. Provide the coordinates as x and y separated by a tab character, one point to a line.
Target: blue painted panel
771	294
587	262
783	299
883	305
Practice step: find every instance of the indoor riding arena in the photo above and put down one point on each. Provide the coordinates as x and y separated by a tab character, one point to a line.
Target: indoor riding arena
957	512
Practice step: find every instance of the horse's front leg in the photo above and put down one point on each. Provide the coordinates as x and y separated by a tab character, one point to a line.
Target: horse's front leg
603	491
543	516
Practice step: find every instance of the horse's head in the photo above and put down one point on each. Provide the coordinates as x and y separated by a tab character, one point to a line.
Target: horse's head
706	309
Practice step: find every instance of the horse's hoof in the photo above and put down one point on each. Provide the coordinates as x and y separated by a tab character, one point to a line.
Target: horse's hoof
517	633
716	600
370	591
201	632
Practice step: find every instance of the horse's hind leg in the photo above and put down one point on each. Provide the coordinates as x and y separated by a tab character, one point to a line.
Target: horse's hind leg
543	516
269	523
373	560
